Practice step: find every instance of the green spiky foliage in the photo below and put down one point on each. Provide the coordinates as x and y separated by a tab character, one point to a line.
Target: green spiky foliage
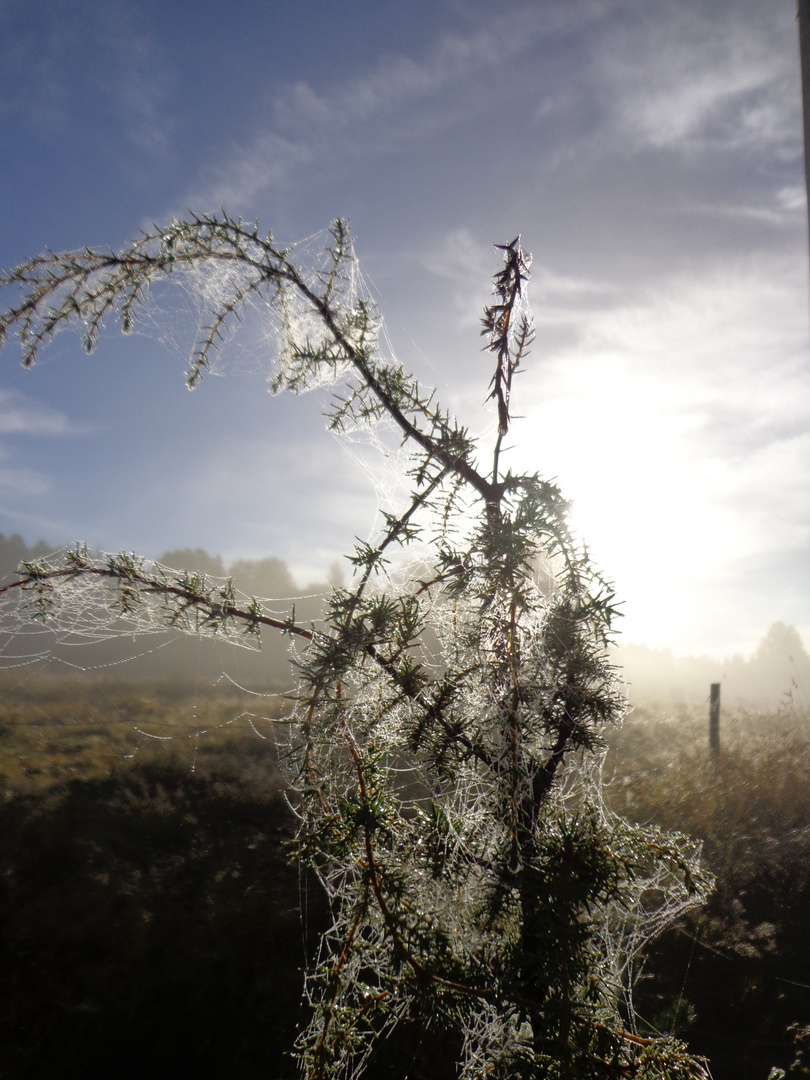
444	751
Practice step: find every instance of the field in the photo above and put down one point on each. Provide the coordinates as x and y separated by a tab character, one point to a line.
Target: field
150	919
734	980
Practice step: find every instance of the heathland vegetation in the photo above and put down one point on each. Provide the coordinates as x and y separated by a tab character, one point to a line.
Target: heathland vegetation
484	899
775	676
151	920
147	886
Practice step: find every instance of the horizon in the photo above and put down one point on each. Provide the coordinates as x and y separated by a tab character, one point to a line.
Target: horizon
247	571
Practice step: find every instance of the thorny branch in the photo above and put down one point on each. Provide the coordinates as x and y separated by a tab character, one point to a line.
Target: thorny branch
469	747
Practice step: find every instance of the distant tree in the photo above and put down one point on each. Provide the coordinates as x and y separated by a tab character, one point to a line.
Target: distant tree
780	666
445	746
13	550
196	557
781	643
263	577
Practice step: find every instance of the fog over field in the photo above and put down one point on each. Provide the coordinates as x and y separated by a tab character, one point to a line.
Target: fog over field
775	675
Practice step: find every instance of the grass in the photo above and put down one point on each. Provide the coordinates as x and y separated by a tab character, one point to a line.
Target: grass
146	900
74	729
149	916
736	977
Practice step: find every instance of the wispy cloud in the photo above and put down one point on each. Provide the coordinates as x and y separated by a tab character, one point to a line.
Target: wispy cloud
783	210
793	198
19	481
82	59
604	80
468	262
397	103
733	334
677	419
701	77
271	161
18	416
142	85
21	417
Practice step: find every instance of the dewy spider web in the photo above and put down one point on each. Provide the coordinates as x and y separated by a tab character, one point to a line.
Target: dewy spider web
394	802
178	312
647	903
84	610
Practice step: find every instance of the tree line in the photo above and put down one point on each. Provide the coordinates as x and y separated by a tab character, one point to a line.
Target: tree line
776	675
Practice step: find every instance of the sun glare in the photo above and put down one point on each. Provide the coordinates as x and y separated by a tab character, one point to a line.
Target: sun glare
624	461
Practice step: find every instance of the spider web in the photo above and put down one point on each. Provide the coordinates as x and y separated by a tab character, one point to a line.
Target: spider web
87	615
176	315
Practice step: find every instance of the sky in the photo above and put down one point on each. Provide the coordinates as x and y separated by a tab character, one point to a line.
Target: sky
650	156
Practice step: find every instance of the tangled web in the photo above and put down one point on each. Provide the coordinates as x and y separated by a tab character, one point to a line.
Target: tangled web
265	340
182	307
80	627
261	339
444	745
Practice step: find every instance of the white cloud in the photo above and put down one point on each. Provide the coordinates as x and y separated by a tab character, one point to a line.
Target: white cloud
21	481
793	198
469	263
270	161
698	77
739	313
81	60
395	104
693	77
142	88
18	416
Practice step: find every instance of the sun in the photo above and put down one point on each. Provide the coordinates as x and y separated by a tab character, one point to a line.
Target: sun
625	462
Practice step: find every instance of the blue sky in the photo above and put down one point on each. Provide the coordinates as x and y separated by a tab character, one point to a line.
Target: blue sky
649	154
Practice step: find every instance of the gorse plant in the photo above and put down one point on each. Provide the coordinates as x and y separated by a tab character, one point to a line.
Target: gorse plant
443	754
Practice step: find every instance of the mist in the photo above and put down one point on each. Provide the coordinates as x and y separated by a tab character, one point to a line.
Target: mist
775	676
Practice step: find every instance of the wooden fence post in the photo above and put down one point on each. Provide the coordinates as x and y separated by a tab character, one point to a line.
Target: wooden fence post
714	720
